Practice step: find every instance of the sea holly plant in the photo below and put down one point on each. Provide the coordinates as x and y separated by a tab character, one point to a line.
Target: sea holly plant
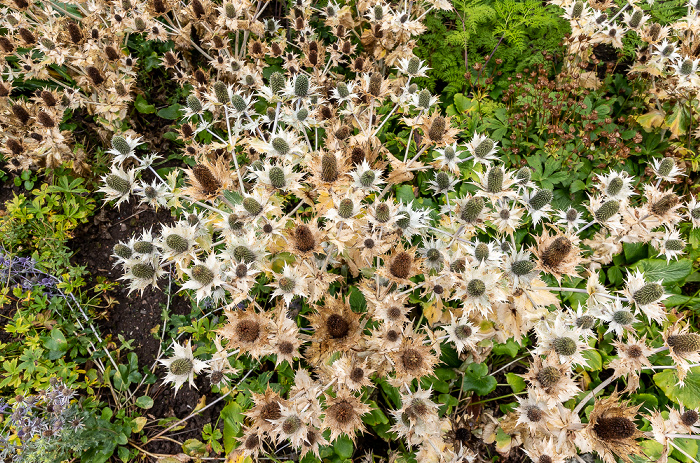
291	207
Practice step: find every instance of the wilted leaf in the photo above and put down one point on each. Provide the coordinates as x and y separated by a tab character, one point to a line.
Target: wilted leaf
651	120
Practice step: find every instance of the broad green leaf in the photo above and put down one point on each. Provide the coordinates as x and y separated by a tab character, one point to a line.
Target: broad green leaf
477	379
516	382
669	273
142	105
509	348
171	112
594	360
404	193
689	395
343	447
689	446
232	424
144	402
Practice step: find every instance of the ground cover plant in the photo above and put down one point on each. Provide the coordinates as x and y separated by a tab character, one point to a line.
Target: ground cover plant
505	270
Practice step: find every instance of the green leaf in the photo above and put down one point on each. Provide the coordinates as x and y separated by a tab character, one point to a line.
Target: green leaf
477	379
343	447
689	446
144	402
171	112
615	276
577	185
669	273
516	382
634	252
650	401
142	105
510	348
689	395
594	360
404	193
232	424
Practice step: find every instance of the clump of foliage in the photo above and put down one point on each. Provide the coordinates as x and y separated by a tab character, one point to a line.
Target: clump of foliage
389	271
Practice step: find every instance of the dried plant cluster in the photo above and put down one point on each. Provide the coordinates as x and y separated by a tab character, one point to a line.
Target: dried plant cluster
296	195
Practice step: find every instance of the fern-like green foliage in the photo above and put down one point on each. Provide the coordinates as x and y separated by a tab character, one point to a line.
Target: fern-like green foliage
526	29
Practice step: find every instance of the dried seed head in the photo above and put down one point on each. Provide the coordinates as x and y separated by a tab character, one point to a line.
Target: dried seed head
367	178
369	243
548	376
463	331
122	250
648	294
221	92
20	113
202	274
412	359
177	243
45	120
684	343
271	411
242	253
654	32
304	238
623	317
119	184
544	459
392	336
607	210
209	183
241	270
585	322
413	65
6	45
471	210
280	145
326	112
26	35
144	247
337	326
329	168
248	330
187	130
48	98
277	179
181	366
301	86
342	412
21	4
343	132
564	345
541	199
413	88
159	6
523	175
346	208
120	144
424	98
689	417
458	265
437	129
197	9
291	424
614	428
534	414
113	54
665	204
634	351
357	374
285	347
375	84
216	377
571	215
76	35
234	224
383	213
252	441
252	206
143	271
95	75
14	146
556	252
476	288
494	182
401	265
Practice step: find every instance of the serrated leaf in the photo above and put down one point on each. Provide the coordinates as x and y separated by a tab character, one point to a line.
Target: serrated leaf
669	273
689	395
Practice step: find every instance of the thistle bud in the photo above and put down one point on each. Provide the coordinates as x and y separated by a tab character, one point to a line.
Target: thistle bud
238	102
277	82
277	179
280	145
522	267
301	86
648	294
202	274
476	288
523	175
424	98
329	168
144	247
367	178
221	92
548	377
564	346
343	90
119	184
252	206
472	209
242	253
122	250
494	181
484	148
413	65
143	271
120	144
177	243
540	199
607	210
346	208
382	213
